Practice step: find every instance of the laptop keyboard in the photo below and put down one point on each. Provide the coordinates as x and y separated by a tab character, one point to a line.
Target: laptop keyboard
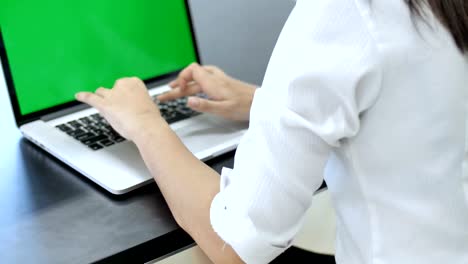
96	133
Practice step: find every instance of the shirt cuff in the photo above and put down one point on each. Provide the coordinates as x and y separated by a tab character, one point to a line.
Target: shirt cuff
235	228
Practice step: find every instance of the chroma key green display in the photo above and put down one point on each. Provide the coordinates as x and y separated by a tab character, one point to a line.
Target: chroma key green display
57	48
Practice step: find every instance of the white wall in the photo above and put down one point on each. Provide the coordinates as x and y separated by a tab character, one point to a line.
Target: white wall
239	35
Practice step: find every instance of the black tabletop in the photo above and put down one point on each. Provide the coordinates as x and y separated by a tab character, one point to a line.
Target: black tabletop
52	214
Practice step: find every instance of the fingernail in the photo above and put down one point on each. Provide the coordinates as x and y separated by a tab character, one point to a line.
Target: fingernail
193	102
77	96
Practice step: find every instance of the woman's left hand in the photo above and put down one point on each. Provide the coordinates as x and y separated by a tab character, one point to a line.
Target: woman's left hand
127	106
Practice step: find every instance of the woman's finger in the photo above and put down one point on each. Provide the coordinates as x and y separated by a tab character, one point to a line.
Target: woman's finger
174	84
91	99
213	69
101	91
207	106
186	75
175	93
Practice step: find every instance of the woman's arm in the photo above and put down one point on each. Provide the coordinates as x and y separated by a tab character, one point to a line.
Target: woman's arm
188	185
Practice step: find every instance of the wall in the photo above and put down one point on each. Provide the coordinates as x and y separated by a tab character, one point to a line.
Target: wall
239	35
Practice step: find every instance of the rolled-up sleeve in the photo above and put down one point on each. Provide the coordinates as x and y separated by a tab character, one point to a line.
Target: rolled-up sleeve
280	161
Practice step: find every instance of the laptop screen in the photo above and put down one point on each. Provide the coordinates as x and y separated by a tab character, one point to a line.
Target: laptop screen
56	48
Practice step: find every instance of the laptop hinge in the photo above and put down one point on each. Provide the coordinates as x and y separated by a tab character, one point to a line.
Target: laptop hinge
161	82
64	112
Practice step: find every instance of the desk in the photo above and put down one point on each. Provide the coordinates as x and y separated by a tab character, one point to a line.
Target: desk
52	214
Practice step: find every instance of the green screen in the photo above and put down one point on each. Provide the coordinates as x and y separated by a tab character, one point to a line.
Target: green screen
57	48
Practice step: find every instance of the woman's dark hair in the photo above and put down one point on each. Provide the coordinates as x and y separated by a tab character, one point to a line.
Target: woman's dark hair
453	14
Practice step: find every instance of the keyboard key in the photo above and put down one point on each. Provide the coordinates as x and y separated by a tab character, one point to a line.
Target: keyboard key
91	140
76	133
95	131
64	127
106	142
85	136
86	120
95	146
174	118
112	134
107	127
181	101
94	126
118	139
75	124
96	117
185	111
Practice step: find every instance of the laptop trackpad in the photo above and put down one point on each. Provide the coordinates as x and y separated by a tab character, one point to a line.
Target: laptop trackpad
205	131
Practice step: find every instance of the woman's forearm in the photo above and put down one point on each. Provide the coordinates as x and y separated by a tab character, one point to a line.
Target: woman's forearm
187	184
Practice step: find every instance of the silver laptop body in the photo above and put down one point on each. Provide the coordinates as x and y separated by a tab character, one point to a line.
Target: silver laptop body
119	168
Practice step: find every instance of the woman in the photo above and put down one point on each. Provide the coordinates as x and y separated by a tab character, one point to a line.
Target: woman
377	90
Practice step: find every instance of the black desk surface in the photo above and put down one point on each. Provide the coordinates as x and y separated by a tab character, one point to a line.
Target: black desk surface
52	214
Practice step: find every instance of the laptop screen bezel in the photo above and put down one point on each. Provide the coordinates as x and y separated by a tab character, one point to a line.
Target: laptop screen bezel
22	119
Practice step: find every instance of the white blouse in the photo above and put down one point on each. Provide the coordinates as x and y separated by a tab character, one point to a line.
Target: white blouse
374	101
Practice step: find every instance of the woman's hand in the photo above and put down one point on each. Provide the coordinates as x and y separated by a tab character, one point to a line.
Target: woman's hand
228	97
127	106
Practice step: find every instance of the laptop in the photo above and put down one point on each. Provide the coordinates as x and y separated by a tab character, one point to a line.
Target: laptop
51	50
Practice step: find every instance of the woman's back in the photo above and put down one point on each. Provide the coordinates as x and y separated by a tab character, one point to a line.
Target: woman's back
389	91
402	181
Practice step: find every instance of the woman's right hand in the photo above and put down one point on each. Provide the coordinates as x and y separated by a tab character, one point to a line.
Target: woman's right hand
227	97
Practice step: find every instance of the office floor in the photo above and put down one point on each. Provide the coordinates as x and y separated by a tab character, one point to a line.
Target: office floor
317	235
